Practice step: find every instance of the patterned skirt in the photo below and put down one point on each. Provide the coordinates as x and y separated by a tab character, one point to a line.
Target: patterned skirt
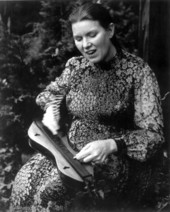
38	186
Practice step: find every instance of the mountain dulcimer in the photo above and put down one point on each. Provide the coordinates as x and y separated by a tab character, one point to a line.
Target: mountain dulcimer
75	175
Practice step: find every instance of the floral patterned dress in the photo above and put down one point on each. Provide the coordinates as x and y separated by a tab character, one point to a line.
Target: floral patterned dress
119	99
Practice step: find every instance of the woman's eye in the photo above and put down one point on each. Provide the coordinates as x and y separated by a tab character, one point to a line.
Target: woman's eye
77	38
92	34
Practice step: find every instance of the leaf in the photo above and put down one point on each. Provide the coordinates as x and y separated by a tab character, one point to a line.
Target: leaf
2	150
8	168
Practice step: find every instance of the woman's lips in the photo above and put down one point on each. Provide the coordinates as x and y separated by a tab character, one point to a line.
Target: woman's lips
90	52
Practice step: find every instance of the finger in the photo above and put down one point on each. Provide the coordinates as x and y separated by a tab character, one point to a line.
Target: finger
99	159
51	113
95	162
88	159
82	154
87	146
50	126
104	160
44	121
83	149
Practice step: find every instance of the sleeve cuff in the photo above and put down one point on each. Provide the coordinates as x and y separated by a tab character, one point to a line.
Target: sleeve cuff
121	146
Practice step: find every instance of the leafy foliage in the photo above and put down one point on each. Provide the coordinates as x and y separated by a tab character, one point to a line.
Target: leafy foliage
30	58
125	18
17	86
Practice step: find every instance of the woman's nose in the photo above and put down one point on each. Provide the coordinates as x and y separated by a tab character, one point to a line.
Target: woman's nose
86	43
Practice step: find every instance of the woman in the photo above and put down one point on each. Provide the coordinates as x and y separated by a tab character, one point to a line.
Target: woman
116	119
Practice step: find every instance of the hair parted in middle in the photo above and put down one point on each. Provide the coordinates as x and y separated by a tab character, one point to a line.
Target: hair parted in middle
90	11
86	10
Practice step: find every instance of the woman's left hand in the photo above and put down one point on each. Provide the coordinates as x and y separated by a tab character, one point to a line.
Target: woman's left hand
96	151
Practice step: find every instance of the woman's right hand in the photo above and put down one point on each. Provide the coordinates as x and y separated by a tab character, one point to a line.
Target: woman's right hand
50	120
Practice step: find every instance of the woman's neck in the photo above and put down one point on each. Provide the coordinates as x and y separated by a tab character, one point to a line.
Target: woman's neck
111	54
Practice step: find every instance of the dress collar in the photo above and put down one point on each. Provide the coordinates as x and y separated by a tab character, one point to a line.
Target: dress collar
109	64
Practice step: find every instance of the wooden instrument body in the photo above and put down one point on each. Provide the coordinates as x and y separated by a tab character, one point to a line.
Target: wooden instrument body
42	142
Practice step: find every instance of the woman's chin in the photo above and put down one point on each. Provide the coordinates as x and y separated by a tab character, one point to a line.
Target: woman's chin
94	59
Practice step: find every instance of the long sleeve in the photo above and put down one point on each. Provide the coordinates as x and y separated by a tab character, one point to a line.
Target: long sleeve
56	90
142	143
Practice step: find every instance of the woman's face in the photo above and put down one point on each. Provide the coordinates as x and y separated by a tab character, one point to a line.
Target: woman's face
93	41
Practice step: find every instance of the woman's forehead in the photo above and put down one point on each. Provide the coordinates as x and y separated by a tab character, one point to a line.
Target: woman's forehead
85	26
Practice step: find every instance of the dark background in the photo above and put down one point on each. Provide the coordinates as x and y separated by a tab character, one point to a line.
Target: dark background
30	34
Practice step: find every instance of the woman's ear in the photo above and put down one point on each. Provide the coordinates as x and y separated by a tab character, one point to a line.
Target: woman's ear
111	29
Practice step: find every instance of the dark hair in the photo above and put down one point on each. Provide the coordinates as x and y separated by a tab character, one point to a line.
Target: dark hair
91	11
95	12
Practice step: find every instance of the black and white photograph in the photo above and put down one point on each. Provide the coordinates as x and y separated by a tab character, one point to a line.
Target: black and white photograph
84	105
